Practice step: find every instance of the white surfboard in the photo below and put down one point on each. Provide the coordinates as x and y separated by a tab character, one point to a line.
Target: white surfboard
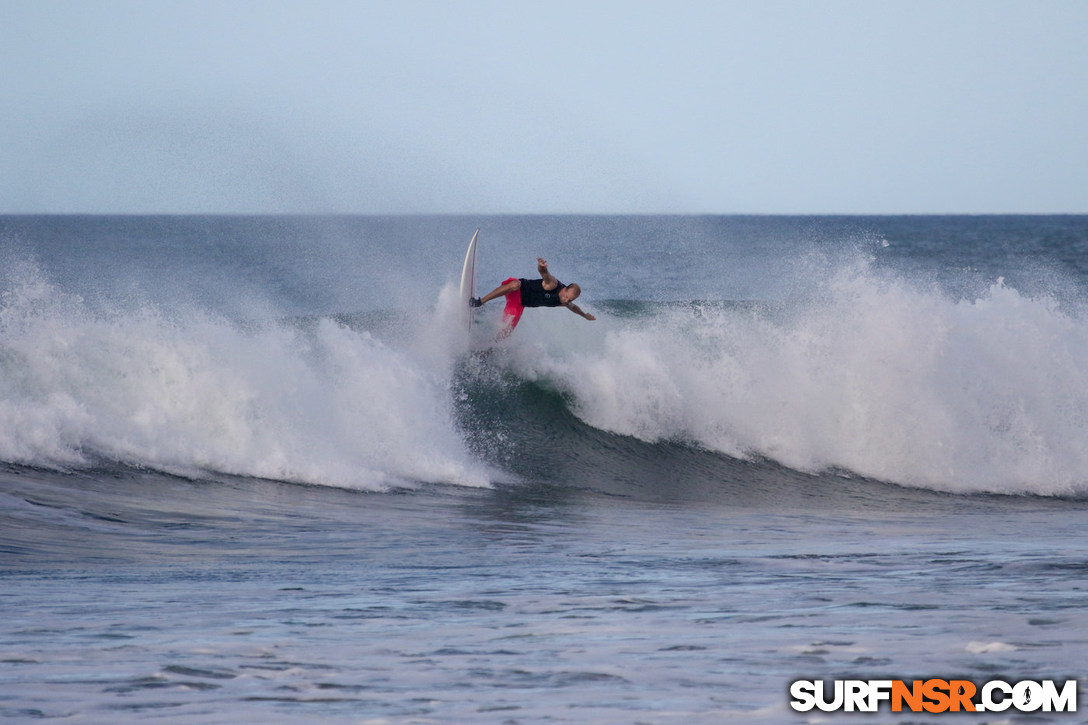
468	282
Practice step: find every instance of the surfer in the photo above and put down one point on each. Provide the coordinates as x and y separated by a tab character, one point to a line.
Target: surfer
544	292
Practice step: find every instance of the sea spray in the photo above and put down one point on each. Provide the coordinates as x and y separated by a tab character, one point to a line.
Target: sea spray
312	401
874	375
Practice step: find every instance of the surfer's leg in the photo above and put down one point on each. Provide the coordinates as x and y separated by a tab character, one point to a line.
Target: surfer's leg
511	315
508	325
511	285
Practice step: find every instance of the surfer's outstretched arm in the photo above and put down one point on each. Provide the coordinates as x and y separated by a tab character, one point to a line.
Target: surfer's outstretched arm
550	282
578	311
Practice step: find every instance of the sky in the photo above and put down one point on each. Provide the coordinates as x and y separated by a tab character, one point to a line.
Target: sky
544	106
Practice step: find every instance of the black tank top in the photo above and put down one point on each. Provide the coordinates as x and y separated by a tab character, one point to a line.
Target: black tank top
533	294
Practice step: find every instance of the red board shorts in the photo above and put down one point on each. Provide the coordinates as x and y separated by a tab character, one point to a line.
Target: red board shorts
511	316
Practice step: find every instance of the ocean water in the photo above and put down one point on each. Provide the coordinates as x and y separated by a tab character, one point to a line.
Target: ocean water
252	470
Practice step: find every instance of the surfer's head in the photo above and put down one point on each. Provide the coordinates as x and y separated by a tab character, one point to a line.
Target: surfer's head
569	293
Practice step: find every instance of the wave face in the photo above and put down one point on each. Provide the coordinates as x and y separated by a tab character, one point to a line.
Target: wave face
854	360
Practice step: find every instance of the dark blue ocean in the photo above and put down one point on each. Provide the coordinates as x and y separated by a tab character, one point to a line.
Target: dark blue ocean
252	469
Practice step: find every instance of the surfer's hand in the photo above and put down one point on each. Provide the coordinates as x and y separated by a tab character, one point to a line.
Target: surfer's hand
590	317
541	263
